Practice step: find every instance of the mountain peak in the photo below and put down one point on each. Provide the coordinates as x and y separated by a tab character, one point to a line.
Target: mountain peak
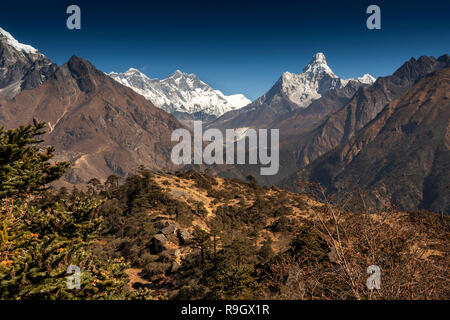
83	72
416	68
180	74
177	73
316	79
318	63
79	63
10	40
182	93
318	58
367	79
132	70
21	66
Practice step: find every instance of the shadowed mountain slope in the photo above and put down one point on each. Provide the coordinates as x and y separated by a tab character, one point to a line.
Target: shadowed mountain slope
402	157
21	66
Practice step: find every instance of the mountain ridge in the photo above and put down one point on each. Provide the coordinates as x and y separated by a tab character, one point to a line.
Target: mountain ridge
290	93
101	126
181	93
308	133
401	157
22	67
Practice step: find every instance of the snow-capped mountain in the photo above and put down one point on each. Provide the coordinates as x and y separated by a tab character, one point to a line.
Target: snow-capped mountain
301	89
181	93
10	40
366	79
21	66
292	93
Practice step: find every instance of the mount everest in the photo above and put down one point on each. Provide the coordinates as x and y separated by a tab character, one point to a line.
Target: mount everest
181	93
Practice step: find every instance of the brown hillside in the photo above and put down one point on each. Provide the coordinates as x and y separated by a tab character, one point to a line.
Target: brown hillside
401	158
188	234
101	126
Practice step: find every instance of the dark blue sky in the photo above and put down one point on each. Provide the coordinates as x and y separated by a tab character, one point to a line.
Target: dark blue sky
235	46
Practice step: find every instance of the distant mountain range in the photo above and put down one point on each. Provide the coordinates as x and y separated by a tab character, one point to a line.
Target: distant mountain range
330	122
342	123
183	95
388	137
291	92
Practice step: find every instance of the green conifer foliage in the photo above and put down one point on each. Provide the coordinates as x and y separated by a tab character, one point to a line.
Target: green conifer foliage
43	244
24	168
39	242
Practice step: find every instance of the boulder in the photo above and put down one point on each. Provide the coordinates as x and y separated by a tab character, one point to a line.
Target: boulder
158	244
169	255
169	230
176	253
183	236
175	266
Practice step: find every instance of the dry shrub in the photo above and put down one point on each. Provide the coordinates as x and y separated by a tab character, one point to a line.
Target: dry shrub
413	259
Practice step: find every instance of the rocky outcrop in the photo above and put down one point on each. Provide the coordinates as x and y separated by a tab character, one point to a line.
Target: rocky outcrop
21	67
158	244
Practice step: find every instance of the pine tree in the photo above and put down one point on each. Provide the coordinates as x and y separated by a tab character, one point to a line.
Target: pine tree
39	242
202	240
24	169
42	244
238	283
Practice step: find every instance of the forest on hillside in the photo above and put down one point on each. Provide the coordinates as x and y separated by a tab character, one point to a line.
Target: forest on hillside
188	235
